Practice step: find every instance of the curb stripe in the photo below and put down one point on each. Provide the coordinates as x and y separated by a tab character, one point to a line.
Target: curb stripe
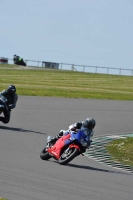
98	152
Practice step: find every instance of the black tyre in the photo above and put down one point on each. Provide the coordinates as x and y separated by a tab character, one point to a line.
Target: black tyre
24	64
44	155
67	157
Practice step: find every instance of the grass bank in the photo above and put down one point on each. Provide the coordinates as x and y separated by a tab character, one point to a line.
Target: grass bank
122	150
68	84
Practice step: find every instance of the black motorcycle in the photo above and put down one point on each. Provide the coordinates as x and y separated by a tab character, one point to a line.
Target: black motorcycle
3	103
18	61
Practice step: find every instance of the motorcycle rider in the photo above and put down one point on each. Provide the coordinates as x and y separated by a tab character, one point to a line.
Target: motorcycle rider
87	126
12	97
16	59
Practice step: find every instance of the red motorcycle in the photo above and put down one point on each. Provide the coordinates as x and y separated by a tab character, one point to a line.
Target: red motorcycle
65	148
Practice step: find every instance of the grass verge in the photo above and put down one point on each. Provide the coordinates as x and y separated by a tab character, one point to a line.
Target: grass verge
121	150
68	84
1	198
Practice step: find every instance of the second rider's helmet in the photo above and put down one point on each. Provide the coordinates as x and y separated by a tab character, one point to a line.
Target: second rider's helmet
11	89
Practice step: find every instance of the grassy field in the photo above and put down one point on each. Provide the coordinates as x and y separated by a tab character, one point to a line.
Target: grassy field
69	84
122	150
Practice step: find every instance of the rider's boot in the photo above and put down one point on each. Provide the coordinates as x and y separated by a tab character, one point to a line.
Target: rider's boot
59	135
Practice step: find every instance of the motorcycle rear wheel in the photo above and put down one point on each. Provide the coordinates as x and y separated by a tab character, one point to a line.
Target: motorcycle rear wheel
44	155
66	158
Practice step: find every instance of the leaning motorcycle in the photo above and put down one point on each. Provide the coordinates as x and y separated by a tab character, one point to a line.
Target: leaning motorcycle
65	148
20	62
3	101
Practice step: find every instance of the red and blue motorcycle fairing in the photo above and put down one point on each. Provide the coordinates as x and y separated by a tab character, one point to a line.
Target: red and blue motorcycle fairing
66	148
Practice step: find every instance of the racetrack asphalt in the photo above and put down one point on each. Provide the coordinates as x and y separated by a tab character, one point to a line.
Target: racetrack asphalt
24	176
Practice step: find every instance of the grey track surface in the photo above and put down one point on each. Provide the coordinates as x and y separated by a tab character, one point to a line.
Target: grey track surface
24	176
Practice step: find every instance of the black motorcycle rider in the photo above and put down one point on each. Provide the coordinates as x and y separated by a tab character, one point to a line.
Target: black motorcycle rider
12	97
18	60
87	126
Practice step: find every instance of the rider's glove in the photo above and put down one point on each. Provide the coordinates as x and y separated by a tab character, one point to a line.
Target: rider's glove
78	125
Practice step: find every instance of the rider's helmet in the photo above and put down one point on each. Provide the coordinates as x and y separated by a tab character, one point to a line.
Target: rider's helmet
14	56
11	89
89	123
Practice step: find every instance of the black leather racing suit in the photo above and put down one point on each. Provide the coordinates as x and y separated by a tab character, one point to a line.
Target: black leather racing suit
12	100
16	59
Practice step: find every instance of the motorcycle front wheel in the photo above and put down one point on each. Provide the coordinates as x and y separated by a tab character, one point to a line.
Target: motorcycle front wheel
44	155
69	155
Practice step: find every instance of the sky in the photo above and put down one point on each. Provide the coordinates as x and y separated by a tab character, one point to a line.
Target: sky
83	32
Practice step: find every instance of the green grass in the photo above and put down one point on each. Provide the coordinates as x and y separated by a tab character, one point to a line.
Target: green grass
69	84
1	198
122	150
